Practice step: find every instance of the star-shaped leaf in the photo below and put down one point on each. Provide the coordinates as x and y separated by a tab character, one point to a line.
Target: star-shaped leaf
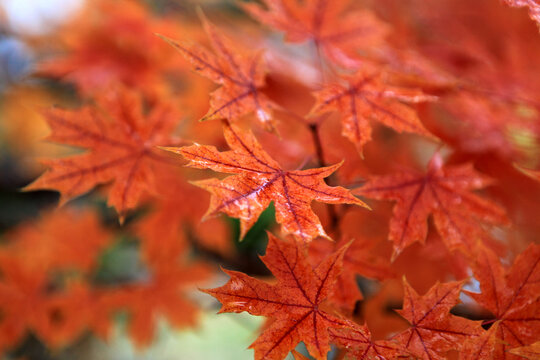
295	302
512	296
361	346
336	29
260	180
358	260
433	329
239	72
444	192
366	97
120	139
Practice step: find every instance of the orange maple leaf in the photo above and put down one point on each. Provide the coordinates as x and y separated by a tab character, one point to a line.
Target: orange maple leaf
444	192
358	260
121	140
49	243
433	329
335	29
360	345
30	300
512	296
240	73
294	303
259	181
365	97
114	41
164	295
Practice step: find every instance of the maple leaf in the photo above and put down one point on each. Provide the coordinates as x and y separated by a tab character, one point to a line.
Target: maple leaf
480	347
121	142
64	239
361	346
241	75
259	180
444	192
114	42
512	296
365	97
163	296
358	260
434	330
295	303
335	29
27	303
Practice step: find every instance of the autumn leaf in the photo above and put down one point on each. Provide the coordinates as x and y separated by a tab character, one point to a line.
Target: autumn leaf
513	297
365	97
259	180
120	139
65	239
114	41
295	302
239	72
43	267
361	346
434	330
480	347
164	295
445	193
358	260
335	29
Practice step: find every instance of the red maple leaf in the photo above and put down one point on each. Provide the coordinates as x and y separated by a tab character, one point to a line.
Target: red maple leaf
113	42
335	29
365	97
444	192
434	330
260	180
512	295
358	260
120	139
361	346
162	295
240	73
295	303
32	299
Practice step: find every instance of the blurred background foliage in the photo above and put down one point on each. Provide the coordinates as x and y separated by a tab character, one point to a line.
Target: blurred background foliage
26	27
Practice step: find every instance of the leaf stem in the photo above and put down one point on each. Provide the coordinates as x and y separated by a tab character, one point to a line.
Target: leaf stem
317	143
